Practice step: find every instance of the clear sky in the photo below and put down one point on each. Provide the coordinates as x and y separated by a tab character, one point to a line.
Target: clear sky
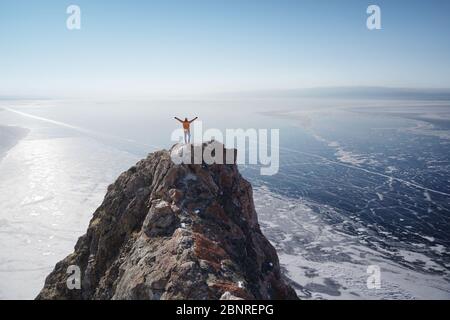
145	48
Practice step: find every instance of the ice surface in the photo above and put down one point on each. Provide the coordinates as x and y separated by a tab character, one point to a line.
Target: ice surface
9	136
326	263
49	189
341	201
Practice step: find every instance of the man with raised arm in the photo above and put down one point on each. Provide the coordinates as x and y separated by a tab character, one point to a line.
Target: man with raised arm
187	128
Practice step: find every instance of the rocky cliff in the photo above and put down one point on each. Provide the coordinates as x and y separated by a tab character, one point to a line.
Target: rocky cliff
173	231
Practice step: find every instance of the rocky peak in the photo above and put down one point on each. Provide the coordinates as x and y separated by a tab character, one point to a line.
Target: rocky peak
174	231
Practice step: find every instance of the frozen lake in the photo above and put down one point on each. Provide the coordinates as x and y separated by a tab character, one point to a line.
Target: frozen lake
359	184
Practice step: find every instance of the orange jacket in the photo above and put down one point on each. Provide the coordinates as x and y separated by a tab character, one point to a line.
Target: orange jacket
186	123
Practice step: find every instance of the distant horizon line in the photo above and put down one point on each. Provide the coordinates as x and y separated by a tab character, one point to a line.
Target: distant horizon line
350	92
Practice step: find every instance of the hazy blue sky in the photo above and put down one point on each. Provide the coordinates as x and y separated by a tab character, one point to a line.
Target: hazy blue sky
145	48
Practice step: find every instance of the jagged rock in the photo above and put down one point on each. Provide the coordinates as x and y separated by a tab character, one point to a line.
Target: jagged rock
174	231
160	220
228	296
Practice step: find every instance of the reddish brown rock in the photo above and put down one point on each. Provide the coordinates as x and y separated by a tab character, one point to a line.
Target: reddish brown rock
167	231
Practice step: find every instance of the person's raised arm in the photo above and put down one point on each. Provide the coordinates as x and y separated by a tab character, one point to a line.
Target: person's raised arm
193	120
178	119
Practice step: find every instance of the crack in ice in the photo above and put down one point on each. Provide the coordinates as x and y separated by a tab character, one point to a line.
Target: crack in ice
79	129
